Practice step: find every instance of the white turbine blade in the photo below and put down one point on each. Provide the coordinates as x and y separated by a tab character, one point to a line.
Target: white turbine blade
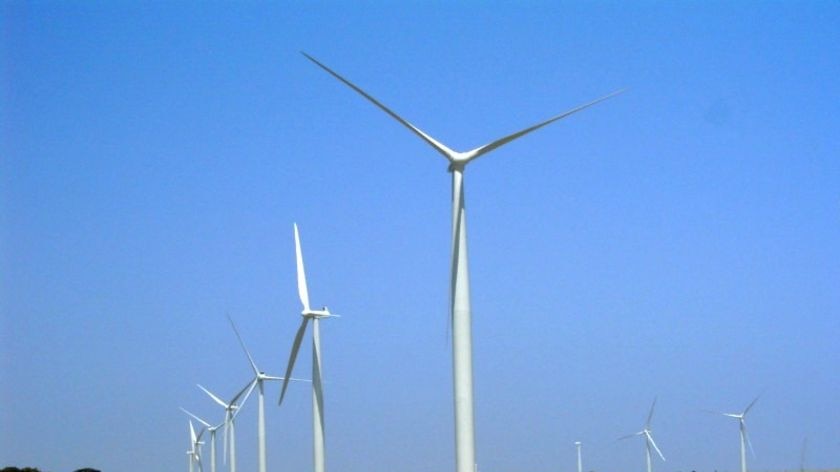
479	151
653	443
192	434
293	357
250	388
242	343
206	424
750	405
628	436
447	153
199	435
747	437
293	379
650	415
214	397
457	205
303	292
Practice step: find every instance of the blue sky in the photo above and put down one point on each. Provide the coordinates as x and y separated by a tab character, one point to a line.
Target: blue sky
680	241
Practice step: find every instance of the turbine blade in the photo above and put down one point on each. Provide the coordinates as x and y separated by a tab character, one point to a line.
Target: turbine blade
747	437
192	434
303	292
447	153
653	443
628	436
650	415
242	343
206	424
244	399
479	151
248	387
275	378
750	405
214	397
293	357
457	214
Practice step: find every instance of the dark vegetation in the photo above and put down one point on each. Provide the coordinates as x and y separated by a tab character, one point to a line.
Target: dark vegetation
35	469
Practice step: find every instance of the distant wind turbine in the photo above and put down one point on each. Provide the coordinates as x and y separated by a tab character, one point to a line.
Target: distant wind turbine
259	378
460	315
212	430
232	409
647	433
318	440
742	427
578	444
802	455
195	448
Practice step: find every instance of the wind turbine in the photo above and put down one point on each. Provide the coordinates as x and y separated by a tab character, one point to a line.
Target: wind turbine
578	444
191	450
195	448
742	426
259	378
648	439
212	430
319	455
232	409
459	285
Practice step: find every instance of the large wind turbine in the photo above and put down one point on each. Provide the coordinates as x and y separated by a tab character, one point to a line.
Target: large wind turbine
259	378
647	433
232	409
742	426
319	455
459	285
212	430
578	444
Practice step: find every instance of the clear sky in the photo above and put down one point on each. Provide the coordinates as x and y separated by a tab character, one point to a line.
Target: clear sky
680	241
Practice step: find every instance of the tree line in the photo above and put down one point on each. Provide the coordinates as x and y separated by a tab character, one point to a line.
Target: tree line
35	469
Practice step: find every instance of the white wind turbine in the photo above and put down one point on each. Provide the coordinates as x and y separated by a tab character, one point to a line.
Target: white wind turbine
459	284
232	409
212	430
647	433
742	426
259	378
194	453
319	455
578	445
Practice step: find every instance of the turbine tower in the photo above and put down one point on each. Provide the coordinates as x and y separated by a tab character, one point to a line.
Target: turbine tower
742	426
259	378
459	285
647	433
318	440
212	430
578	444
232	409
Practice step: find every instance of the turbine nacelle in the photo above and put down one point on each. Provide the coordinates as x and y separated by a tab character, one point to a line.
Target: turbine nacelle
322	313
